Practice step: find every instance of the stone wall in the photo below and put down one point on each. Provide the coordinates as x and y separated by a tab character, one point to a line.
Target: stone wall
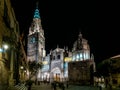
80	72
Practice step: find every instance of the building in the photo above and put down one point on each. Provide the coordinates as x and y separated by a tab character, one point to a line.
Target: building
55	65
36	40
58	65
109	69
77	66
82	66
9	38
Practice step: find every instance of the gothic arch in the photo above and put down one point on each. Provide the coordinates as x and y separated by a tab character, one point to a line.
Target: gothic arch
56	70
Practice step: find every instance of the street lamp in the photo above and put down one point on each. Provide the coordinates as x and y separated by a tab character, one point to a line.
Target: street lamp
21	67
2	60
5	46
3	49
25	71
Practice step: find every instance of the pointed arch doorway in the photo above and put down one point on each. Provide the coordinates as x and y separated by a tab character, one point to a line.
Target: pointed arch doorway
55	74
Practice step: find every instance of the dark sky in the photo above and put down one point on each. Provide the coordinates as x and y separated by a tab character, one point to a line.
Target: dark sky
62	21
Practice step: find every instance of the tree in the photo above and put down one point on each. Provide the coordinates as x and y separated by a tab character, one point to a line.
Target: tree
104	68
33	68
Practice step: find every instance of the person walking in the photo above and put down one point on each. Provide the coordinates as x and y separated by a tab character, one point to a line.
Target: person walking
67	84
29	84
100	88
63	87
54	86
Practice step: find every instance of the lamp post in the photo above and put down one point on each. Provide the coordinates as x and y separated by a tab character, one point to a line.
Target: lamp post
21	71
11	56
5	46
3	50
3	79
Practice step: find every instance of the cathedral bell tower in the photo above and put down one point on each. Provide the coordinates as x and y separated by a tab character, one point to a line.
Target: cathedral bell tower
36	39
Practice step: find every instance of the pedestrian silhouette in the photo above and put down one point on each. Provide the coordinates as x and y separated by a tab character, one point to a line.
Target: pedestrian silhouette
29	84
67	84
54	86
100	87
63	87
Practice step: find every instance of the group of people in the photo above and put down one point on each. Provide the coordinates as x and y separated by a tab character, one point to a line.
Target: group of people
59	84
29	84
54	84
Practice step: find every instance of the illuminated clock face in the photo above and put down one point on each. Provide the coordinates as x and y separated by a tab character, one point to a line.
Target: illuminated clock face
32	40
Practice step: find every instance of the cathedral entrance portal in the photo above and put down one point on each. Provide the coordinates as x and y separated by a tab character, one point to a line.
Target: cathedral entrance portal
56	74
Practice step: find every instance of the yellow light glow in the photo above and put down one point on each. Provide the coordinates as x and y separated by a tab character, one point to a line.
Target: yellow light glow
67	59
45	62
21	67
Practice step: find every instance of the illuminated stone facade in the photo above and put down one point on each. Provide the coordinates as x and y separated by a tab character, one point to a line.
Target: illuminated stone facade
9	35
81	49
81	72
56	65
45	71
110	71
36	40
82	66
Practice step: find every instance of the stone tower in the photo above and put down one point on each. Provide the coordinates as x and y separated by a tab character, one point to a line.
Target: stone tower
36	39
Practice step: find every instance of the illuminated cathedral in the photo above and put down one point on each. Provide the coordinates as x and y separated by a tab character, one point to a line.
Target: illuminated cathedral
58	64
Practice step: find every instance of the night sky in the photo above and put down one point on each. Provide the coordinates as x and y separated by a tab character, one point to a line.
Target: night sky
62	21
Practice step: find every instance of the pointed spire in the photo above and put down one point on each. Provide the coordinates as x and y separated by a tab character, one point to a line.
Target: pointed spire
64	47
36	13
37	3
92	57
57	46
80	34
67	48
57	49
79	42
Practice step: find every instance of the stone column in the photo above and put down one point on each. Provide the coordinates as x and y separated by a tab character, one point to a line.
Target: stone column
11	80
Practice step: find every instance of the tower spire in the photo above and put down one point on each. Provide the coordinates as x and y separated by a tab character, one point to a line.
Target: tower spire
79	42
37	4
57	46
36	13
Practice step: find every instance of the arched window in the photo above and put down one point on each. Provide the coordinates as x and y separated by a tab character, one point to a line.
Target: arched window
58	57
53	57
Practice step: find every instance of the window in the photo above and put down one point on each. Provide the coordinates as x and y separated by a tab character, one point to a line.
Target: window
53	57
58	57
32	40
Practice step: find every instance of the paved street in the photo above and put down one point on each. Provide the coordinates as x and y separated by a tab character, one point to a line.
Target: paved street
48	87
